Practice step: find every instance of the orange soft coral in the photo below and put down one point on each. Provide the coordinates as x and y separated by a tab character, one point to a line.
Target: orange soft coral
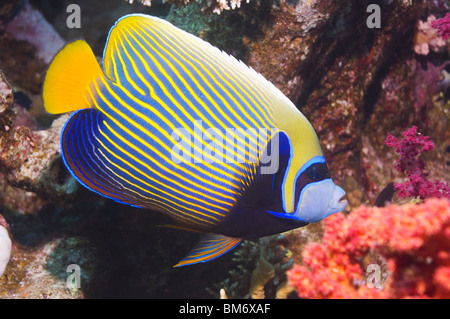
409	245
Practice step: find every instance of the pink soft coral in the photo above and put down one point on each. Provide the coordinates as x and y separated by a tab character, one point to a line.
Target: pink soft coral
410	148
410	245
443	26
427	37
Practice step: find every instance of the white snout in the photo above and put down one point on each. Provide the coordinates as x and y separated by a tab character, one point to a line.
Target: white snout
336	204
319	200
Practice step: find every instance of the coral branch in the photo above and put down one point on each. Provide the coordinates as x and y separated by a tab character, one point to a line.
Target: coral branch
443	26
413	165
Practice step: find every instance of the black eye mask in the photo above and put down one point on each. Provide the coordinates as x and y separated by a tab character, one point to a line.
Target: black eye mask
315	173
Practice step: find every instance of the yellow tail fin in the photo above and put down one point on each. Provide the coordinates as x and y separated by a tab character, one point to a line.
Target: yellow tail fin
68	78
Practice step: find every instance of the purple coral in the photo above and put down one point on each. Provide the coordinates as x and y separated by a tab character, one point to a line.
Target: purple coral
443	26
411	164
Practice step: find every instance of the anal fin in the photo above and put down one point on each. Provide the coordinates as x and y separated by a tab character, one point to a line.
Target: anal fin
209	248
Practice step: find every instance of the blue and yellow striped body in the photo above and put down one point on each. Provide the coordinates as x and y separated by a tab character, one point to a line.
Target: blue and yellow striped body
175	125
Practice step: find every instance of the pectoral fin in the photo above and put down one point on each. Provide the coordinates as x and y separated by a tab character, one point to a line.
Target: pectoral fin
209	248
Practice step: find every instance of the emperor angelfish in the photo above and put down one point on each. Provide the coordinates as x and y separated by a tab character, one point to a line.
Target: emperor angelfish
175	125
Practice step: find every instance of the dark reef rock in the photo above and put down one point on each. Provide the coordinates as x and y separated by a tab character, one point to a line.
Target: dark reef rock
337	70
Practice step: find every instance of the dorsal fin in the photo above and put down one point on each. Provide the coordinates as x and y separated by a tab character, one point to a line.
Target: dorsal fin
145	32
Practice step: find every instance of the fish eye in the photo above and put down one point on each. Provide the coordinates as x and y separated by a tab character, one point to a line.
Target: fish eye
312	173
317	172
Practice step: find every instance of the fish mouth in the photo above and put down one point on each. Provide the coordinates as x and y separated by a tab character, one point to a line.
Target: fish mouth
339	206
338	202
343	203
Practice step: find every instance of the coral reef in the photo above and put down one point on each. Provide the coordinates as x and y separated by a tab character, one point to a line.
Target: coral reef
231	32
28	43
5	245
144	2
341	76
29	157
31	161
13	197
216	6
261	276
30	273
29	25
391	252
354	83
258	270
